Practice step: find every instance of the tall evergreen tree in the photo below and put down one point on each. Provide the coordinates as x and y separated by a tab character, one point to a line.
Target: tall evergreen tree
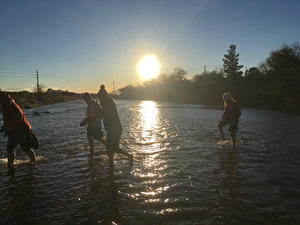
231	63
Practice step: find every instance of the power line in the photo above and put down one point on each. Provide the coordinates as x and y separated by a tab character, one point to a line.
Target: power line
17	76
55	80
31	77
10	72
13	69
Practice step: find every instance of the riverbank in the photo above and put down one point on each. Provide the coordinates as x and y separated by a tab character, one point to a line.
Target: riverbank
28	100
288	105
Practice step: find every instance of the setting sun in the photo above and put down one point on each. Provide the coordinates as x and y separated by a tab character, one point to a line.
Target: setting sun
148	67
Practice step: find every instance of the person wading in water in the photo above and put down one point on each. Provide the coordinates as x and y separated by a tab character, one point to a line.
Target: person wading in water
112	125
94	114
230	116
18	129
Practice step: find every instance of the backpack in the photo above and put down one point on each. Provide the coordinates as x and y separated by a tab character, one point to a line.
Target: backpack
31	140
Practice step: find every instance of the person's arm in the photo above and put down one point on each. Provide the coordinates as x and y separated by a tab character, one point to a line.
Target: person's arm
105	125
4	122
99	112
4	126
3	129
84	122
237	110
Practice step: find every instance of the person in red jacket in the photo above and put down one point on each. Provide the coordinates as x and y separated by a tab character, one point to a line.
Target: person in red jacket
230	116
18	129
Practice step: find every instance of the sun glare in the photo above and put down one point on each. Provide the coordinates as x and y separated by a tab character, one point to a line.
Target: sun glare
148	67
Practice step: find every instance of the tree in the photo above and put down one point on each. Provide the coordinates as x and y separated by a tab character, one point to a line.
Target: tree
283	68
285	61
231	63
253	73
179	75
42	88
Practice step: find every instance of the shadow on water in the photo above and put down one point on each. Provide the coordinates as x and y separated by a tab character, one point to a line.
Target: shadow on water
227	205
21	195
104	189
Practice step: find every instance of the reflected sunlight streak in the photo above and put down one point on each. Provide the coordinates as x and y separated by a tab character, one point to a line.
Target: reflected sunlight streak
149	113
153	165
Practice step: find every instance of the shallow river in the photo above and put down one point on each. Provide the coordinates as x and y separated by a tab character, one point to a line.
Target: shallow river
180	174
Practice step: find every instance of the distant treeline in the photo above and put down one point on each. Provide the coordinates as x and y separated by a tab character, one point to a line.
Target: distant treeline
275	84
27	99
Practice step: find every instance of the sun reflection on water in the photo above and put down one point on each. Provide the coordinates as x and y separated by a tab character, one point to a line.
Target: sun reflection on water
149	119
151	147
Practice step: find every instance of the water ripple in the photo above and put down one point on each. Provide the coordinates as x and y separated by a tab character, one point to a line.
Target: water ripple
180	174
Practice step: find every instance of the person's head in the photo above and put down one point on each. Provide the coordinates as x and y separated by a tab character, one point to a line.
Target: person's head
87	97
103	96
102	87
4	98
227	96
102	91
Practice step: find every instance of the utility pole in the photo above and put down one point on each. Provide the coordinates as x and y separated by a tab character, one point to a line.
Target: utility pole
37	82
204	68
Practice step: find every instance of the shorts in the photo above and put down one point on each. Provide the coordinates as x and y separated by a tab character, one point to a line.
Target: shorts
233	125
94	132
26	139
113	141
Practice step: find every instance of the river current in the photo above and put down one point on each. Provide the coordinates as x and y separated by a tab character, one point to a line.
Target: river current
180	175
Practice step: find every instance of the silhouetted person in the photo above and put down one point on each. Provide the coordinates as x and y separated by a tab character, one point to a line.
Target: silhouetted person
112	125
102	91
230	116
94	114
18	129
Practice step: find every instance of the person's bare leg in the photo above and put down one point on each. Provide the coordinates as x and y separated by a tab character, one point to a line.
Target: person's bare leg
11	159
233	141
91	143
130	157
111	158
221	131
31	155
102	141
11	155
233	129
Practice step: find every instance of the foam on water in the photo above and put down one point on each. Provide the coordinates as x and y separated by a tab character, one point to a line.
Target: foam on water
38	158
228	141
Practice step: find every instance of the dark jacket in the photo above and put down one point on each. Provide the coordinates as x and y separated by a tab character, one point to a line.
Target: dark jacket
111	120
231	111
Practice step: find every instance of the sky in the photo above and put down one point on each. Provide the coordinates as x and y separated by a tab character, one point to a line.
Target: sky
79	44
